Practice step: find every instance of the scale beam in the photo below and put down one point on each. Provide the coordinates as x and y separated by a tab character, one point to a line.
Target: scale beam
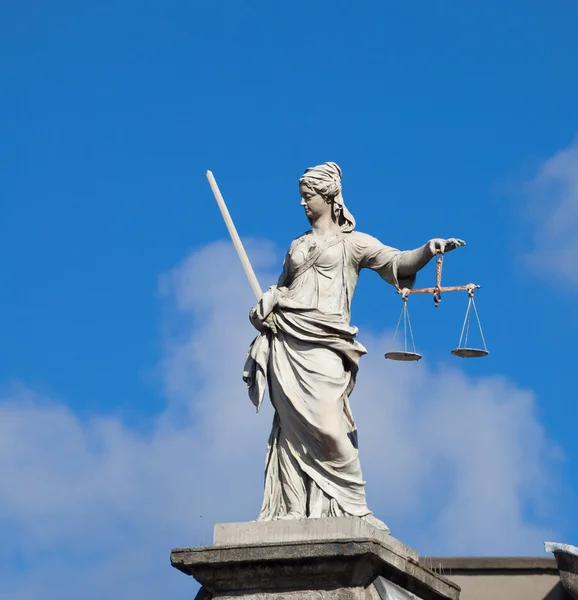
463	351
439	290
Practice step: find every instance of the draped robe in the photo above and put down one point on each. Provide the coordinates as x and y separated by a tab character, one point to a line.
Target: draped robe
309	361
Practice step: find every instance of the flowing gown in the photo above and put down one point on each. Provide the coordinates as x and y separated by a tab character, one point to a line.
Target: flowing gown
309	363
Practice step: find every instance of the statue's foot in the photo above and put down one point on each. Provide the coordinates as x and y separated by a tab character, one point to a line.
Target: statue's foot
373	520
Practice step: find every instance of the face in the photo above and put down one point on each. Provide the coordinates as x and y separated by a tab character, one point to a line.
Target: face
314	204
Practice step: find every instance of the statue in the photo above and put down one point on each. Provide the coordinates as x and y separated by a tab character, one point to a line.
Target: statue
307	356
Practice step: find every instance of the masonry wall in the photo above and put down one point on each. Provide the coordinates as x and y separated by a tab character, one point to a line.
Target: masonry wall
502	578
510	587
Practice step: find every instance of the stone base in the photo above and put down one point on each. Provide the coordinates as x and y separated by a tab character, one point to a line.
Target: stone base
339	559
306	530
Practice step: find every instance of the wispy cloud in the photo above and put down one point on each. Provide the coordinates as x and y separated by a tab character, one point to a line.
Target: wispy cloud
91	508
553	196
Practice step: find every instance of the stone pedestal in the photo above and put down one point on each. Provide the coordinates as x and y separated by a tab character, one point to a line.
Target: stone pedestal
312	559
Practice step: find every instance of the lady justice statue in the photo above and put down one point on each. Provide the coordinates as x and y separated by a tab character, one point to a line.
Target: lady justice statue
307	356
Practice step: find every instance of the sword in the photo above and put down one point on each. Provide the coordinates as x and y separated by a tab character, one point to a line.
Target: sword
253	282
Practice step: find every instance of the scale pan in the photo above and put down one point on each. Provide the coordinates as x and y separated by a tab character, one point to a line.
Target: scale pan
469	352
403	356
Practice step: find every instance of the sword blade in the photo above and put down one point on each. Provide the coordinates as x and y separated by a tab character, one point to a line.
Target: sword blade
253	281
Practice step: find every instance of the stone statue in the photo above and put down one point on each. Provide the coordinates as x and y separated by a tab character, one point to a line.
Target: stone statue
307	355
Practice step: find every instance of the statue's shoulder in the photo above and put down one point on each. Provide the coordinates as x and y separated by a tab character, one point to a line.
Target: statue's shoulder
304	234
299	239
359	238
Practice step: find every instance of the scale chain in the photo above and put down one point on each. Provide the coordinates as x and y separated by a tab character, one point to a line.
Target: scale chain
405	326
410	329
404	314
462	350
466	323
401	314
479	323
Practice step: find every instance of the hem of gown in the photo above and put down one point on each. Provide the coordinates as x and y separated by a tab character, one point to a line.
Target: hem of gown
274	507
285	517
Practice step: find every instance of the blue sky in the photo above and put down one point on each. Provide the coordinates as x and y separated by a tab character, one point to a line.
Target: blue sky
447	118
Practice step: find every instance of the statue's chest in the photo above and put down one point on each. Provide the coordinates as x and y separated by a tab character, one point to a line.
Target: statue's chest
330	258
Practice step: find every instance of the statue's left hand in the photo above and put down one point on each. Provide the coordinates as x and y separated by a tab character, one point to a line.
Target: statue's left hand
443	246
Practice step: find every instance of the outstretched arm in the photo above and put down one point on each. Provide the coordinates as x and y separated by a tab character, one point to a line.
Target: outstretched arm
412	261
397	268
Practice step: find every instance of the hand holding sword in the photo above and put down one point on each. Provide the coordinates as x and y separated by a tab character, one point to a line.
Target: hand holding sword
245	262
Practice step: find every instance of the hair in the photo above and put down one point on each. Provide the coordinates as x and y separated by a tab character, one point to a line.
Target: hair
325	179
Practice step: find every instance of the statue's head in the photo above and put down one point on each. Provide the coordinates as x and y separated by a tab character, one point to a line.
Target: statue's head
325	181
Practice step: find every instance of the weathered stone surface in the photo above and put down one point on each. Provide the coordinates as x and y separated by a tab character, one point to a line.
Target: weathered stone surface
338	528
332	570
338	594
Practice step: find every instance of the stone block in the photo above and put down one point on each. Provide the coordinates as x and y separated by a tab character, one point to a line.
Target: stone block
344	569
306	530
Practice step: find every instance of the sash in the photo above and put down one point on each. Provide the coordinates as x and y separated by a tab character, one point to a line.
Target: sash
319	250
256	365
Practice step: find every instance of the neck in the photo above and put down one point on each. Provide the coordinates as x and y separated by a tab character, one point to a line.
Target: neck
325	226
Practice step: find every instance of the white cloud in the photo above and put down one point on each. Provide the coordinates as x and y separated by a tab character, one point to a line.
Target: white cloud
464	456
91	509
553	196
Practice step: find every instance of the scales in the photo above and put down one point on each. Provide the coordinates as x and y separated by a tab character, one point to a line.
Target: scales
462	350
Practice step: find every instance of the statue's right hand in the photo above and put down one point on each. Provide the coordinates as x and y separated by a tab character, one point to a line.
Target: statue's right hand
259	323
269	323
256	319
261	315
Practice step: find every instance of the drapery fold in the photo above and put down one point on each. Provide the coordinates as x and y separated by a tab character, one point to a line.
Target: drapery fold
307	357
310	365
